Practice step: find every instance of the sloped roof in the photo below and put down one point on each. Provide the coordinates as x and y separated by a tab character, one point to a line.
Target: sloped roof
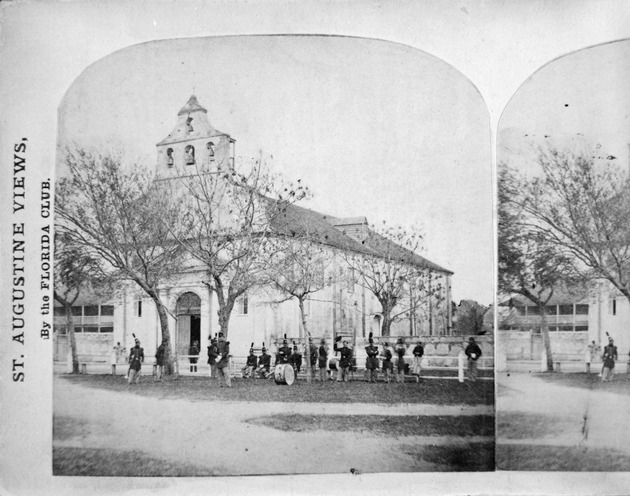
299	221
561	296
192	105
199	123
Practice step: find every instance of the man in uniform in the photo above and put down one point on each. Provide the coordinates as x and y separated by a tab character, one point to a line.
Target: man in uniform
136	357
371	363
159	360
223	362
322	358
193	351
345	360
213	353
250	366
296	359
284	353
387	361
264	363
473	352
609	357
400	360
312	350
418	352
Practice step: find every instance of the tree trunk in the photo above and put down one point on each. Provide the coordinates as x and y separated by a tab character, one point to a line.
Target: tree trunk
71	337
307	335
169	356
544	330
387	319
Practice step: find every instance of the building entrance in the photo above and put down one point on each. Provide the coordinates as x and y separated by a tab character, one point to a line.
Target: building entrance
188	312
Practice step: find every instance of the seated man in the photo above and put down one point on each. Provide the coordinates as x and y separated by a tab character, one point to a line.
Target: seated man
250	366
264	363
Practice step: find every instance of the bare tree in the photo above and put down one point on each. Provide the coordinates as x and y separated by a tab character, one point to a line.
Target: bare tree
580	203
529	264
229	216
119	216
75	273
401	280
298	267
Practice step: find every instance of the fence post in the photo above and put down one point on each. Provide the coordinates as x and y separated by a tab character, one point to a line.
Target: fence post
460	365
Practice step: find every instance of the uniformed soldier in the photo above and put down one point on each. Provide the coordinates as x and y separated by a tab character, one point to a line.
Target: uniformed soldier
250	365
193	351
345	361
223	361
213	353
387	361
312	350
136	357
400	360
284	353
264	363
418	351
322	357
371	363
296	359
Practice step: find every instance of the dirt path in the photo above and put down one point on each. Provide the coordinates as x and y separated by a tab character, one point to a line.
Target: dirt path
214	434
585	417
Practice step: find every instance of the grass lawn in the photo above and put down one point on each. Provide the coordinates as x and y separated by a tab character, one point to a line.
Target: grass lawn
383	425
620	384
430	391
118	463
562	458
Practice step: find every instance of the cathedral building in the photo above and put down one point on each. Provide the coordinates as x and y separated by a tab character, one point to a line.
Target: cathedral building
341	309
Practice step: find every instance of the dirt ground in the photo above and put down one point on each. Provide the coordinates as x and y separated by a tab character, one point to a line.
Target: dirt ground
216	436
576	417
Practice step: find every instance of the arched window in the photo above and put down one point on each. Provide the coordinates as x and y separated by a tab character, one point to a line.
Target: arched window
190	155
210	147
189	127
169	157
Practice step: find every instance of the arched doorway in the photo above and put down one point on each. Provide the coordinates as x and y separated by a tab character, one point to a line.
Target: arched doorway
188	311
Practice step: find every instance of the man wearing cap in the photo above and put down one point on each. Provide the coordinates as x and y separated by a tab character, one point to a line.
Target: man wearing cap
609	357
322	359
388	366
418	352
473	352
264	363
284	353
400	361
136	357
371	363
250	365
345	360
296	360
223	359
159	360
312	350
193	351
213	353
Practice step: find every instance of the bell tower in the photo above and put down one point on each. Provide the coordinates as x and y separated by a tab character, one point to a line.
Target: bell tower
193	145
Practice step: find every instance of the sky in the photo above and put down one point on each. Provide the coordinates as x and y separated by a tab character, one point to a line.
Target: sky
577	101
373	128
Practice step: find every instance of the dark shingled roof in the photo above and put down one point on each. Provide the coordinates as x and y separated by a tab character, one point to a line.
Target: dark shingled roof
299	221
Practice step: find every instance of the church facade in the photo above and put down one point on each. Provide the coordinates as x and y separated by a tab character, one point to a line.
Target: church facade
341	309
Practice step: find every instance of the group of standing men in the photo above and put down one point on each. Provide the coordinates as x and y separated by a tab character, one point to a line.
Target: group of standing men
219	351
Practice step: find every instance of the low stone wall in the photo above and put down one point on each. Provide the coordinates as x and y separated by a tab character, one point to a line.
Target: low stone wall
527	345
434	347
